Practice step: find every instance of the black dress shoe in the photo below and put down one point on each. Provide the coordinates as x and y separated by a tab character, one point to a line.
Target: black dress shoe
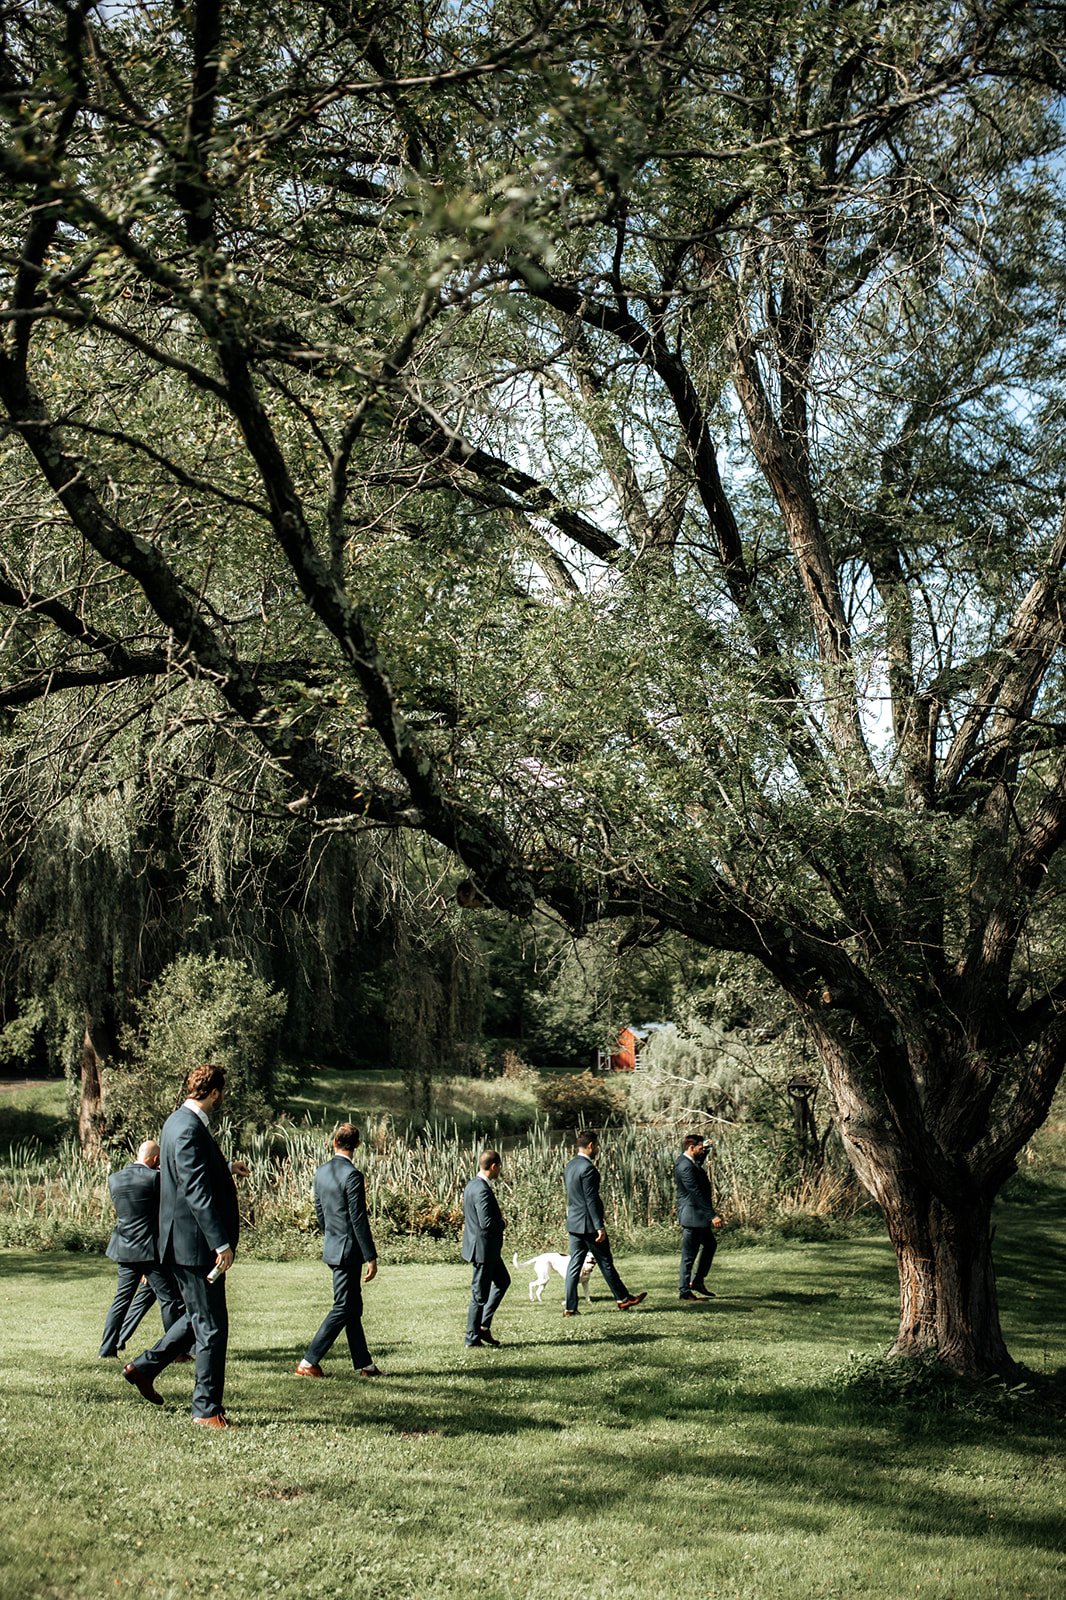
486	1338
686	1294
142	1382
474	1344
703	1294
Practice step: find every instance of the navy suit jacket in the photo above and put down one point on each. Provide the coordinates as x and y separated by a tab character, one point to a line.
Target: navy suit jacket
482	1223
135	1197
695	1201
198	1211
584	1208
340	1204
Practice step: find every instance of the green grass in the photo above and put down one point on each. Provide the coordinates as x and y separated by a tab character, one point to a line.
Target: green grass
710	1450
367	1096
38	1111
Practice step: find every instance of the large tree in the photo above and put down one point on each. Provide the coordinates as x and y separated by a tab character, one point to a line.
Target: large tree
621	441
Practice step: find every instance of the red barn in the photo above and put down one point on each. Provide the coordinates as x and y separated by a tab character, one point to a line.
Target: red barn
631	1040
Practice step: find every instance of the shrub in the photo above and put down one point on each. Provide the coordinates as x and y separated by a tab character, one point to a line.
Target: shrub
580	1100
201	1008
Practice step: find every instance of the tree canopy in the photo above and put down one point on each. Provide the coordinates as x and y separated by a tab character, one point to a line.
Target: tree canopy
622	442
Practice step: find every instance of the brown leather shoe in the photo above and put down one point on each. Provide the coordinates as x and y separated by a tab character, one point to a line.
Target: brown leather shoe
571	1313
304	1370
371	1371
142	1383
633	1300
217	1421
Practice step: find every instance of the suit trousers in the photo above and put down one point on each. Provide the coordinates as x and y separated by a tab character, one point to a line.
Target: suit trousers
697	1252
490	1282
161	1288
346	1312
141	1304
580	1244
204	1325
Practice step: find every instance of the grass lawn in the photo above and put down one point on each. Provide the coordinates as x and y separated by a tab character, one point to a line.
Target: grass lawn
33	1110
327	1094
705	1450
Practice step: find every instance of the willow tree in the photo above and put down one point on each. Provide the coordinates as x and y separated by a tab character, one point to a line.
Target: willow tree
620	441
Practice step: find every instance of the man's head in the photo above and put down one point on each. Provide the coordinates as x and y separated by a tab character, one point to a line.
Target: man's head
695	1145
489	1163
206	1085
148	1153
346	1138
588	1142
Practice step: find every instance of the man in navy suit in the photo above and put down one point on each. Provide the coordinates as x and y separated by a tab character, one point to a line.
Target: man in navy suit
199	1224
586	1227
134	1246
483	1225
698	1218
340	1203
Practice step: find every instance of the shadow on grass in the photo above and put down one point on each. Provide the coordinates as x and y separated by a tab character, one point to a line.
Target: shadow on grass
807	1488
804	1457
1030	1257
56	1264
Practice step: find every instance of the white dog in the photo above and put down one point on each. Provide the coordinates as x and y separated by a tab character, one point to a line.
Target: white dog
552	1261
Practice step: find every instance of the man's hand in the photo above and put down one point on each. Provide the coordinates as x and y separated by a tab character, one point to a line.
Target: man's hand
223	1260
601	1237
716	1222
371	1271
240	1169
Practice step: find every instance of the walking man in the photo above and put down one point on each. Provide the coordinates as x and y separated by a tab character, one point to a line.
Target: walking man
340	1203
483	1225
199	1224
585	1225
134	1246
698	1218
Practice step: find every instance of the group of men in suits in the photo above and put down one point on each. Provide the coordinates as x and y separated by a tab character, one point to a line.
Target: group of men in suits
484	1224
178	1224
180	1232
176	1231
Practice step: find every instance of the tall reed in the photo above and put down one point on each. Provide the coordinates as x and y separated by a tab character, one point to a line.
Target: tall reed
415	1184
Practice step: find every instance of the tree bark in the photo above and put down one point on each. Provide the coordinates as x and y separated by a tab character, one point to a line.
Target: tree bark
91	1098
948	1304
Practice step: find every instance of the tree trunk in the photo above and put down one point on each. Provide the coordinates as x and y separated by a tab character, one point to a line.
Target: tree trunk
948	1306
91	1098
947	1283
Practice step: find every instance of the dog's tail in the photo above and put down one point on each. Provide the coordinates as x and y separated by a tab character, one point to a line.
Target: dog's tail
515	1261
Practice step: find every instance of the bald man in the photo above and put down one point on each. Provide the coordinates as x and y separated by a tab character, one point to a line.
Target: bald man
134	1244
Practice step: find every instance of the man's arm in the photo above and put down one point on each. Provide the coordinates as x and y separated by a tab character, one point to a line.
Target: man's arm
591	1184
355	1196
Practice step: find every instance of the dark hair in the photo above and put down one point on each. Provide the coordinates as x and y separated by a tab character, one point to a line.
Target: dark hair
346	1137
692	1139
202	1080
586	1137
489	1158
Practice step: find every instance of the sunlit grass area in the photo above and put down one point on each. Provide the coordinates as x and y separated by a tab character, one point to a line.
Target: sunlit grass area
328	1094
719	1450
